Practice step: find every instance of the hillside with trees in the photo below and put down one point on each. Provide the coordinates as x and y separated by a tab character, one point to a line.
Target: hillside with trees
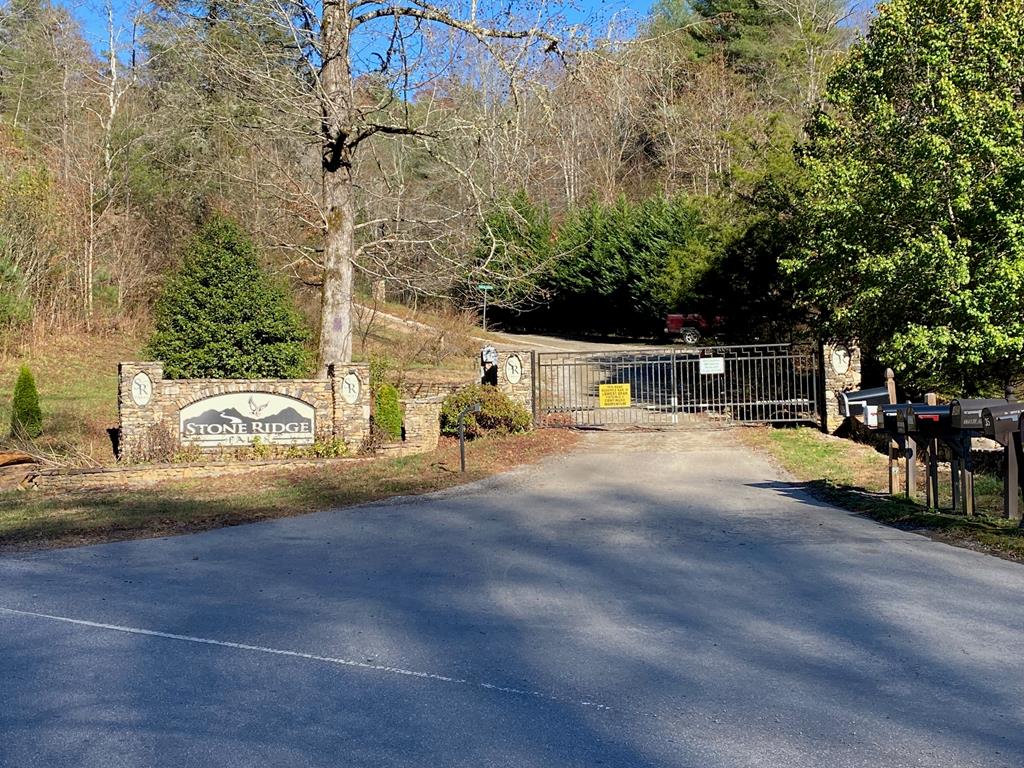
760	159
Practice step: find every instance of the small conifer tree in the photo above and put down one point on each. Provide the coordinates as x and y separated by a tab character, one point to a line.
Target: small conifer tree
26	415
222	316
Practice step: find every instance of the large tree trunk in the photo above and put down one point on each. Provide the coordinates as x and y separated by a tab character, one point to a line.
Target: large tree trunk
338	190
339	248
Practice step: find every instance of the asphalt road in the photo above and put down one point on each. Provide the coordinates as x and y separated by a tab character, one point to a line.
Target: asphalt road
653	600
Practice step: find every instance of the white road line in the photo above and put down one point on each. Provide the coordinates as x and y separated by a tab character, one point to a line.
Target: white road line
301	655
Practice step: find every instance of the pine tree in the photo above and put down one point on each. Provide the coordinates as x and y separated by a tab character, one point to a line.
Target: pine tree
26	415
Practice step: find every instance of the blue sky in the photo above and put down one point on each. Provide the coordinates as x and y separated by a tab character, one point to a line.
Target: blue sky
92	14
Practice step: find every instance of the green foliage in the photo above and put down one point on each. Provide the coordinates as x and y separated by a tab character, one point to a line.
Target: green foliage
623	266
514	249
387	412
332	448
915	181
747	286
221	316
260	449
26	415
499	414
380	371
782	53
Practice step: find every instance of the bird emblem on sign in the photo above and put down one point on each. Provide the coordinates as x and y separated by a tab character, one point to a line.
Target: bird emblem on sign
256	409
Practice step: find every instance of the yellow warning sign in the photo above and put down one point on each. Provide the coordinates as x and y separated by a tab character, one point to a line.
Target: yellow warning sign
614	395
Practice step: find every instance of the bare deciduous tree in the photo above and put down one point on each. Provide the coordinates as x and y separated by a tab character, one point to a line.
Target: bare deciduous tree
338	75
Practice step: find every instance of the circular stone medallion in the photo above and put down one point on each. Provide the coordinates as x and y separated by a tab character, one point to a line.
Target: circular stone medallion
840	360
513	369
350	388
142	389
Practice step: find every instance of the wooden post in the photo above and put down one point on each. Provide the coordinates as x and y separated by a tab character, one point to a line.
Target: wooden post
955	475
893	468
911	459
968	492
1011	480
966	478
890	384
931	481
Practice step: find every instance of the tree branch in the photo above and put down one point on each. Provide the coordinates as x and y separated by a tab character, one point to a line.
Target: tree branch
438	16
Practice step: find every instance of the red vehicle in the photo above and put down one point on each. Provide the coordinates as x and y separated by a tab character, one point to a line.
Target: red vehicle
691	328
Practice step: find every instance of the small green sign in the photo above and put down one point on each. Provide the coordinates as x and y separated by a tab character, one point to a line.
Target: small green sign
485	287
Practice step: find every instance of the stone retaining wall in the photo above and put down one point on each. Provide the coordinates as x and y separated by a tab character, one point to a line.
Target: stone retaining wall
422	388
422	428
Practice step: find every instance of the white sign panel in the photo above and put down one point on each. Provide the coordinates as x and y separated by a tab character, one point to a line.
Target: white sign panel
142	389
712	365
238	418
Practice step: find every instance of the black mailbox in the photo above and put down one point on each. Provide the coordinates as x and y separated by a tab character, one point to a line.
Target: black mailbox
1001	421
892	420
854	403
928	420
966	414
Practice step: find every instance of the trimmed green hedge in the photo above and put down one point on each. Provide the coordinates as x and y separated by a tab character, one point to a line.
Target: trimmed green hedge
387	412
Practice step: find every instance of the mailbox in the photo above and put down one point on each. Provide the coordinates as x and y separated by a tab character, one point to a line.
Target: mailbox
1001	421
892	420
966	414
855	403
928	421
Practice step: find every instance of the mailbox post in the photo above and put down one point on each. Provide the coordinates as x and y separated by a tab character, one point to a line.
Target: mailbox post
1002	423
894	424
966	420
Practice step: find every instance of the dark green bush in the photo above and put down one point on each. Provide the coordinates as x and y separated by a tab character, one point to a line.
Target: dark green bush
387	412
26	415
222	316
499	413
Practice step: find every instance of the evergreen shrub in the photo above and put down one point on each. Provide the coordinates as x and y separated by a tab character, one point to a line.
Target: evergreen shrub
26	415
387	412
222	316
499	414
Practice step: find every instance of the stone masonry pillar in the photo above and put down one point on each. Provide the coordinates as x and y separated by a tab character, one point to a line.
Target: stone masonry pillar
515	377
841	371
140	406
351	383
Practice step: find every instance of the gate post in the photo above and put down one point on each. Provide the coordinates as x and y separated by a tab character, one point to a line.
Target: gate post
840	371
516	370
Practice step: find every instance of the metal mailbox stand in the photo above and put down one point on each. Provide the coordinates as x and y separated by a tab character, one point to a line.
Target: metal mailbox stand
1002	423
474	408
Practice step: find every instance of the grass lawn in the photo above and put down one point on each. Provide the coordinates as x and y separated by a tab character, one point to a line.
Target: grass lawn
76	376
855	476
30	519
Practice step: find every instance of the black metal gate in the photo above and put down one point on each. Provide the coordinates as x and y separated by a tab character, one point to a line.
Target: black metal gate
770	383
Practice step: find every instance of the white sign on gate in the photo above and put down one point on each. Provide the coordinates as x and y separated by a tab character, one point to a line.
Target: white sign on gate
238	418
710	366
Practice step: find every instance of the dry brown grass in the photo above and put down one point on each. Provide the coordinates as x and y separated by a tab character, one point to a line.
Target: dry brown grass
35	520
76	375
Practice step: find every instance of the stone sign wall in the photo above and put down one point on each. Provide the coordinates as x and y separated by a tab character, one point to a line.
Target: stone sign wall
159	417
